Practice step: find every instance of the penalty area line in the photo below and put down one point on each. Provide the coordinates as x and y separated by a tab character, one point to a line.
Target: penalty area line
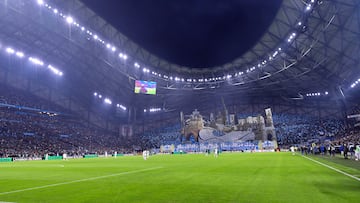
81	180
335	169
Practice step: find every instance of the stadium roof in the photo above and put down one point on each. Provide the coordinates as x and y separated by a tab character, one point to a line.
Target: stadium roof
311	48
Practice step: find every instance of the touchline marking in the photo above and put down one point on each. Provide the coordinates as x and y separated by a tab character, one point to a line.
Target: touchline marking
337	170
81	180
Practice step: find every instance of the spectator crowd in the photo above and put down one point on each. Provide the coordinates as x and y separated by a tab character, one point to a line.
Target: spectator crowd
32	127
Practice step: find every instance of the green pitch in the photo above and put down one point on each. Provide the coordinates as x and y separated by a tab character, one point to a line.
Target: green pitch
232	177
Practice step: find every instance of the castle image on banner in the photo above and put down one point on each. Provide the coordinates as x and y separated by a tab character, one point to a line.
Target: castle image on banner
225	128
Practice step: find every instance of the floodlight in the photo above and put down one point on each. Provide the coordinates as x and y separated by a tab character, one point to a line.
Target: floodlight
55	70
122	107
19	54
107	101
69	19
40	2
10	50
36	61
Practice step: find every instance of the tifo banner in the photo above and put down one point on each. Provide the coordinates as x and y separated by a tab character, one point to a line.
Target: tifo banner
232	119
268	112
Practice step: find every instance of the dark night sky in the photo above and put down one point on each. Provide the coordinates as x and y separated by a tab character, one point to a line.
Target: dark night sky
193	33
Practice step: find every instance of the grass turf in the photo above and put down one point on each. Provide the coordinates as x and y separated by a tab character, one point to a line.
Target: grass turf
232	177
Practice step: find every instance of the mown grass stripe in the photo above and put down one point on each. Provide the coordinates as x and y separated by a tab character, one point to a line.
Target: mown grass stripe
81	180
335	169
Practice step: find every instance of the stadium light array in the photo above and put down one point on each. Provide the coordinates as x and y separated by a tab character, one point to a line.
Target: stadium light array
121	107
356	83
55	70
152	110
35	61
69	20
317	94
262	63
40	2
20	54
107	101
10	50
123	56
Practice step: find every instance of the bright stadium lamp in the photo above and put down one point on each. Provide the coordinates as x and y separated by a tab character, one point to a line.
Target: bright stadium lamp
69	20
36	61
10	50
40	2
19	54
107	101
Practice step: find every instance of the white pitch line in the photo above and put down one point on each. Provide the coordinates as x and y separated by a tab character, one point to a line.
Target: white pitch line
337	170
81	180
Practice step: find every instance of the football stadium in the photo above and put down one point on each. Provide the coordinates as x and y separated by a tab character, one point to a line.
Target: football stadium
179	101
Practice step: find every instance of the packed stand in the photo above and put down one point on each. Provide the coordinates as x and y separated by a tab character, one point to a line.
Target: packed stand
155	136
294	129
26	132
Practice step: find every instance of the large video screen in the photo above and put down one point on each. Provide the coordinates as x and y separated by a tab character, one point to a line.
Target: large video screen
145	87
